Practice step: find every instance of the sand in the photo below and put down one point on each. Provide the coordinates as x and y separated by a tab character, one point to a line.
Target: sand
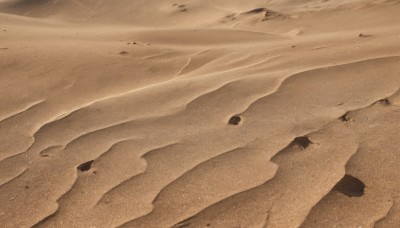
207	113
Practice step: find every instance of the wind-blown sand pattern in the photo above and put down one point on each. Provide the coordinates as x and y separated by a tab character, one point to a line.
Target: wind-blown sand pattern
206	113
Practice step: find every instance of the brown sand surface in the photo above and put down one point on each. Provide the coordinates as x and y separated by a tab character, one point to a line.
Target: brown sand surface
200	113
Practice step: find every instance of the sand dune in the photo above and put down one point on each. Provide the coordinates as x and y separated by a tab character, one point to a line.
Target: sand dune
199	113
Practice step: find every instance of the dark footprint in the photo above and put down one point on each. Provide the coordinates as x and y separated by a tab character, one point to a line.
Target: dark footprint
384	101
235	120
303	142
257	10
85	166
350	186
123	53
363	35
344	118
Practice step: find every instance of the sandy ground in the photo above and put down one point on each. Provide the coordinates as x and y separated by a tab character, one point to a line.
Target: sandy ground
200	113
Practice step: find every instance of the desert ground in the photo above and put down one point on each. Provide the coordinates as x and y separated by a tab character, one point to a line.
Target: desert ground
200	113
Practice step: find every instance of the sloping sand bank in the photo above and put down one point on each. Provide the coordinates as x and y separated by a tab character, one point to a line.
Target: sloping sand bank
207	113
